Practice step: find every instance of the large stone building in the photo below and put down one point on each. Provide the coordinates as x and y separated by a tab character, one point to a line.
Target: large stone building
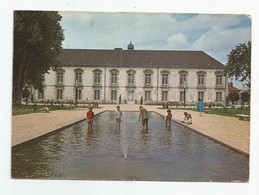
155	75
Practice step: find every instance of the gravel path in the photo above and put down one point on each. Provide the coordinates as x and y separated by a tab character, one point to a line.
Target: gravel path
228	130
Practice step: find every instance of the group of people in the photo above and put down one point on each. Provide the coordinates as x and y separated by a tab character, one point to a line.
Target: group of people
118	117
187	118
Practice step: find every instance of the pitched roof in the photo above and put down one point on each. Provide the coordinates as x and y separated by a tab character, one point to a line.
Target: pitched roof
232	88
119	57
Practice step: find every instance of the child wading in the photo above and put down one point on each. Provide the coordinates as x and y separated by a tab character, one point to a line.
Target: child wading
90	118
118	117
168	118
144	115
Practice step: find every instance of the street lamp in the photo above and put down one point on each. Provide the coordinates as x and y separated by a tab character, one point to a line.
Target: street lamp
76	93
184	93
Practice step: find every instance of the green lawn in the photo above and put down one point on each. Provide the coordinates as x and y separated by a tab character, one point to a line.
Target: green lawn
232	112
27	109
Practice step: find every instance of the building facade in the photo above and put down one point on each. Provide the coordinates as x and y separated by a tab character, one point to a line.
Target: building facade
156	76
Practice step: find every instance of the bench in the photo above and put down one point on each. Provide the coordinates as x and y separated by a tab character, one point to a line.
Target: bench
207	111
243	117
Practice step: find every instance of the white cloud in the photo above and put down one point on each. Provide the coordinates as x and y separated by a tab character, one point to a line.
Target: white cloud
214	34
178	41
220	43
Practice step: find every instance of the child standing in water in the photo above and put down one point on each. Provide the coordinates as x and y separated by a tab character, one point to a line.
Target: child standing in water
118	116
168	118
90	118
144	115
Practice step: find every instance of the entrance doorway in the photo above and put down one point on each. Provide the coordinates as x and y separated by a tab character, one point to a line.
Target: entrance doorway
130	96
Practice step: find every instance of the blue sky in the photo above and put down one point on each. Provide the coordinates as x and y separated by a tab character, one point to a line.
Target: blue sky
214	34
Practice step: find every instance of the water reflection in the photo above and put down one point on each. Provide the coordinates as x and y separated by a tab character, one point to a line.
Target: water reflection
175	154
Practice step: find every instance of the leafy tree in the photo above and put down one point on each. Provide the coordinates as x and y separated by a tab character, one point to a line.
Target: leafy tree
233	97
227	101
239	63
245	97
37	45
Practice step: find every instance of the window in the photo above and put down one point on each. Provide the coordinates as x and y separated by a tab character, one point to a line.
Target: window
114	78
78	78
219	80
60	77
218	96
164	79
182	79
113	94
147	95
96	94
59	94
147	78
131	78
97	78
79	94
200	80
164	95
41	95
201	95
42	78
181	96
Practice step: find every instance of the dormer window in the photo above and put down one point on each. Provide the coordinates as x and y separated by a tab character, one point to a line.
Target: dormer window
201	78
165	77
114	76
42	78
79	78
60	76
219	78
97	76
131	77
148	77
78	75
183	77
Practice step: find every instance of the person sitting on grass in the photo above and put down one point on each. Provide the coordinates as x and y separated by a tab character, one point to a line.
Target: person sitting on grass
168	118
185	117
45	108
90	118
189	119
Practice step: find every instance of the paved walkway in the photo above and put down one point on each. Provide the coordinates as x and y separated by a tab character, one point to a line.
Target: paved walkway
227	130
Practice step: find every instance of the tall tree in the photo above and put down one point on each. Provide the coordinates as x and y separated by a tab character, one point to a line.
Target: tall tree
239	63
245	97
37	45
233	97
